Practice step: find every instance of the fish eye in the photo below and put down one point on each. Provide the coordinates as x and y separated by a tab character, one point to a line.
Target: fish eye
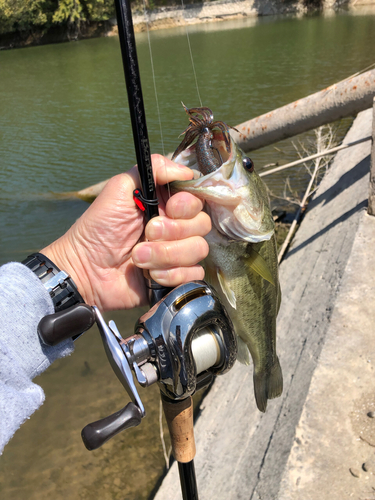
248	164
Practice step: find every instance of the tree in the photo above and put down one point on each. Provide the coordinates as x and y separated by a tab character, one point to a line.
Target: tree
70	12
24	14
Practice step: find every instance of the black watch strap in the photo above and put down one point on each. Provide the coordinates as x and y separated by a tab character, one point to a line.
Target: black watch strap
61	287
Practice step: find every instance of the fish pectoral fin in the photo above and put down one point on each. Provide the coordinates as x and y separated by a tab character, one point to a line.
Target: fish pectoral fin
256	262
226	289
243	352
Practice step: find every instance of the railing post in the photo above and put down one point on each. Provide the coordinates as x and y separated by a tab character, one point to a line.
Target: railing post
371	194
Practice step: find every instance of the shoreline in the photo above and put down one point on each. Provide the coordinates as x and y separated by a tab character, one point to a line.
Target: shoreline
172	17
220	10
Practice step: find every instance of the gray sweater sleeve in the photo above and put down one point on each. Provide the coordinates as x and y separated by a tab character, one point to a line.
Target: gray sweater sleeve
23	302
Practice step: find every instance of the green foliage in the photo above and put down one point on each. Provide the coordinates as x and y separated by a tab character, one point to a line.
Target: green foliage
69	11
100	10
26	15
23	14
75	11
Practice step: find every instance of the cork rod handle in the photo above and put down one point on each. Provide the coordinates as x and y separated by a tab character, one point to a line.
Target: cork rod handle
179	417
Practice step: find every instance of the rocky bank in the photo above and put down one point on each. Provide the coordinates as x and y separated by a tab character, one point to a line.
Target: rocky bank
221	10
181	15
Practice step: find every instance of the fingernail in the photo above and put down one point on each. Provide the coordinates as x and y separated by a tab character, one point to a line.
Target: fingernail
142	254
155	230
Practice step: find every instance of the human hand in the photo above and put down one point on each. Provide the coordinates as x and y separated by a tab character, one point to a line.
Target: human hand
102	251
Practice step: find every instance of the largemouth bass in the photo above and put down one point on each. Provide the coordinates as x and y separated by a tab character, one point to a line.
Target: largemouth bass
242	263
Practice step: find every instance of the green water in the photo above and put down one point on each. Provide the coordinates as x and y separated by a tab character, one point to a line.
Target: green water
63	126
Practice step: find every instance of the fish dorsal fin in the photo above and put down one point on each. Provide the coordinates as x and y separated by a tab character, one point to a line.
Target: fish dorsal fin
256	262
227	291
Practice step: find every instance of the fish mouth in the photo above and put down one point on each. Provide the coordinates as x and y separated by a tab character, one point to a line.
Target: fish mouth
237	204
220	148
188	157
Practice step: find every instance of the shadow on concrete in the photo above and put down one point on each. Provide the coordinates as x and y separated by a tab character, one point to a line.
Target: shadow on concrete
353	175
361	206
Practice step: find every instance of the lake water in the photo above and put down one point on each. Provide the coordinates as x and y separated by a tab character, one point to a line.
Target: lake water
64	125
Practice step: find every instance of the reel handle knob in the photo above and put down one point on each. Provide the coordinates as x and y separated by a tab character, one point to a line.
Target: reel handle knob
71	322
96	434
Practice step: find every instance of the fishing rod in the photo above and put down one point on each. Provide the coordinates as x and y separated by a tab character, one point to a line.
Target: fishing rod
147	199
177	407
190	299
181	343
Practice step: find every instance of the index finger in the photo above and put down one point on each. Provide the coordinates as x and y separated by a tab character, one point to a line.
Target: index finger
166	170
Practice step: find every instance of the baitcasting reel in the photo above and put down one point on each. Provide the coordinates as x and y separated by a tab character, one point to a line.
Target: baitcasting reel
180	343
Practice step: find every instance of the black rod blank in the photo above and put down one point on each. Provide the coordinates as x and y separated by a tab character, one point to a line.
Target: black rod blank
188	481
142	149
136	106
138	120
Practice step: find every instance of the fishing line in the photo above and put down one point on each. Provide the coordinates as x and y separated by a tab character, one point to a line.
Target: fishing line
161	429
359	72
154	80
156	95
157	101
352	76
191	58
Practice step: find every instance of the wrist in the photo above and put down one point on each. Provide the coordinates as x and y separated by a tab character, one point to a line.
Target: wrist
62	253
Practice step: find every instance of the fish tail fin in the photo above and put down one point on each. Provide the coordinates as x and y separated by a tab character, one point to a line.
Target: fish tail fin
268	385
260	390
275	381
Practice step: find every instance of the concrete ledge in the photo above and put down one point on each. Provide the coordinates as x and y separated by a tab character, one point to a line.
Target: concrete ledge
241	453
335	436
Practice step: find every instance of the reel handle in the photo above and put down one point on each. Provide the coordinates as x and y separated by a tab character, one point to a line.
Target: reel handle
71	322
96	434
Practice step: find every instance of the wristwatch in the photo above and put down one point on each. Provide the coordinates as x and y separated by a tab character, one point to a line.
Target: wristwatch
59	284
72	316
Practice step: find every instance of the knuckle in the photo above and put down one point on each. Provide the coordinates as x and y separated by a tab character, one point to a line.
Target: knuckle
171	253
115	181
157	160
177	275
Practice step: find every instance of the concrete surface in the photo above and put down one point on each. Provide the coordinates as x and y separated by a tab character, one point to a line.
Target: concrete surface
336	433
243	454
